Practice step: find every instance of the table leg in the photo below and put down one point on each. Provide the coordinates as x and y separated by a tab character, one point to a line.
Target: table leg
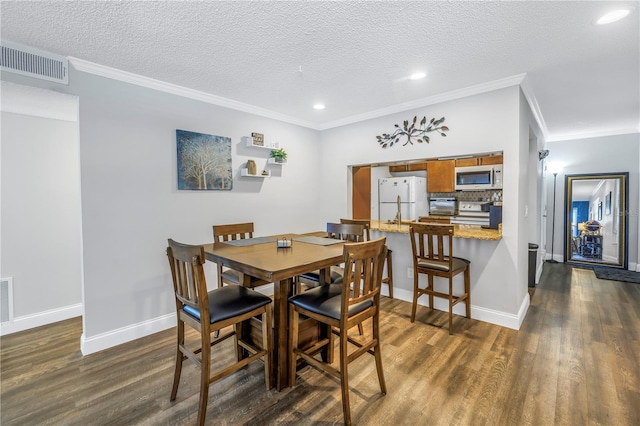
325	276
282	291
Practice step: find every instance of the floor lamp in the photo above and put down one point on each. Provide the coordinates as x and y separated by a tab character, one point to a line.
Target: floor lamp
553	218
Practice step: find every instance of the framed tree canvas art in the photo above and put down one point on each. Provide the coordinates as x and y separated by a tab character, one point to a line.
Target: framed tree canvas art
204	161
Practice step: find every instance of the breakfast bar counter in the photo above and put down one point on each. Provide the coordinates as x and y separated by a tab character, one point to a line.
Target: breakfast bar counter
459	231
484	248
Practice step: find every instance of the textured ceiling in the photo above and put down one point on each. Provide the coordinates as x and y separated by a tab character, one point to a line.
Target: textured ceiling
355	56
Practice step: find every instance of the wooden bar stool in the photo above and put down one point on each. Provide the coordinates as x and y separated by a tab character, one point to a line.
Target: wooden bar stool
432	247
341	307
208	312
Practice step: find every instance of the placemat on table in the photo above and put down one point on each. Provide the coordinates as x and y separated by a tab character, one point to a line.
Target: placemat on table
321	241
251	241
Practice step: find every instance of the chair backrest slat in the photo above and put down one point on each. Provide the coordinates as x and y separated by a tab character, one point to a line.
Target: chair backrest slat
234	231
364	263
348	232
432	241
189	281
365	222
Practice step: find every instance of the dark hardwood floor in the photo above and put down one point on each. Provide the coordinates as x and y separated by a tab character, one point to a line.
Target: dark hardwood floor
575	361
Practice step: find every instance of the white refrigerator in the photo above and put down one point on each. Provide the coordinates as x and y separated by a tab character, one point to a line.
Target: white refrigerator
405	194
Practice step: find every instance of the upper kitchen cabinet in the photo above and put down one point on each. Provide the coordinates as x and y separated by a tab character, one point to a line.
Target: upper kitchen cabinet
414	167
492	159
479	161
465	162
398	168
440	176
409	167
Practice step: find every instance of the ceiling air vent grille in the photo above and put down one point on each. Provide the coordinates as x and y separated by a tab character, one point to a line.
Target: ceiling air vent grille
34	63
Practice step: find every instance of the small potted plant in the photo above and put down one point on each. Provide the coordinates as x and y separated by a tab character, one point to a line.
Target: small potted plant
279	155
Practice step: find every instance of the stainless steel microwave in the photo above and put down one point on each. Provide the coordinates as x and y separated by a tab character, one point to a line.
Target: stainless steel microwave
478	178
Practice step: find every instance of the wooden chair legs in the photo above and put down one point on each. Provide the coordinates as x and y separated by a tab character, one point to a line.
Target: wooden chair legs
388	280
372	347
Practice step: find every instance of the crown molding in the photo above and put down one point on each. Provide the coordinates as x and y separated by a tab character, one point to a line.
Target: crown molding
592	134
431	100
174	89
128	77
150	83
525	86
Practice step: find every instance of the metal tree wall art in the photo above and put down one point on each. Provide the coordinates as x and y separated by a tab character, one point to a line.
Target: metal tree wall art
412	133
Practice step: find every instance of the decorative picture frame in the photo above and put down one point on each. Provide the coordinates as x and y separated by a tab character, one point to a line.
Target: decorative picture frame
204	161
258	139
607	204
600	210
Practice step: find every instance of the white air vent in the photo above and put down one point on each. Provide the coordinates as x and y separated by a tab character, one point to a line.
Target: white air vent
6	300
33	63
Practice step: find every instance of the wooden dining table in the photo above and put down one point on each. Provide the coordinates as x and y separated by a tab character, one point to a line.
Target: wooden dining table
261	258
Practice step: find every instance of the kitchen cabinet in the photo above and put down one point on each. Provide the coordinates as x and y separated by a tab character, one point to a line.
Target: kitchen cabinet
398	168
410	167
440	175
479	161
413	167
466	162
493	159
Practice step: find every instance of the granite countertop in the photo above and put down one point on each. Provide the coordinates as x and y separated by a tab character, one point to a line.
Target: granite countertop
434	216
459	231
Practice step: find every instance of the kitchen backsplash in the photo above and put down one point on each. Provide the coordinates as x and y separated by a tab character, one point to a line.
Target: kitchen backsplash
468	195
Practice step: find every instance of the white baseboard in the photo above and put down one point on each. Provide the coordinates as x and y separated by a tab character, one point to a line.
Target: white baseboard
500	318
41	318
557	257
89	345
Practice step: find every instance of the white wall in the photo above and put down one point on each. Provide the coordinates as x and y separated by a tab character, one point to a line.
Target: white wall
481	123
130	204
609	154
41	223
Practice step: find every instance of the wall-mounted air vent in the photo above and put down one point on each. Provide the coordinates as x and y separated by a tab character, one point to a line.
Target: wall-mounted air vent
33	62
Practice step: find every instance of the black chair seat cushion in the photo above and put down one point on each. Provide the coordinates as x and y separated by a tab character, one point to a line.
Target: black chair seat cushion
325	300
230	301
458	264
336	275
233	276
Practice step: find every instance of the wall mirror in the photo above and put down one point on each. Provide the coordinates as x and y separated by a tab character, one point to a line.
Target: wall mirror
596	219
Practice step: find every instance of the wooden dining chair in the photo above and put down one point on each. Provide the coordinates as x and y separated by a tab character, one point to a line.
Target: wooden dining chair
388	277
209	312
346	232
341	308
432	247
233	232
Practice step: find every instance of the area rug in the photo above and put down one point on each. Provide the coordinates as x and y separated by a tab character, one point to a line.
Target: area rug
617	275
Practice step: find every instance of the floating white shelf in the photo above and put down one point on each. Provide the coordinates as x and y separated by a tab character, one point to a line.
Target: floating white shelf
279	163
248	140
245	173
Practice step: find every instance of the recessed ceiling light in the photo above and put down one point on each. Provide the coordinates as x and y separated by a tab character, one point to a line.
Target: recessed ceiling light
613	16
418	76
318	106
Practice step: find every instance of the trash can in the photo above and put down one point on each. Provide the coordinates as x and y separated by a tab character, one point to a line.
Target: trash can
533	255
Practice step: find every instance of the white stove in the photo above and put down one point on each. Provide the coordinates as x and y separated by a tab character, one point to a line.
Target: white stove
471	213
